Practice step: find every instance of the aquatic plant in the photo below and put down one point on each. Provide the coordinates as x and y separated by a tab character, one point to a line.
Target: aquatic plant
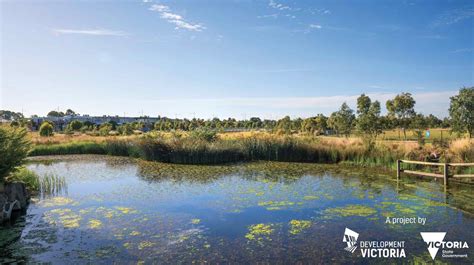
297	226
352	210
95	224
259	232
51	184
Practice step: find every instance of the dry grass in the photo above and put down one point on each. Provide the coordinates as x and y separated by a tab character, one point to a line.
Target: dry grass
242	135
462	150
77	137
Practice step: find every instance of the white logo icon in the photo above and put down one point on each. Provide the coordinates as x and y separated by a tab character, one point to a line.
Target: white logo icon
350	237
434	240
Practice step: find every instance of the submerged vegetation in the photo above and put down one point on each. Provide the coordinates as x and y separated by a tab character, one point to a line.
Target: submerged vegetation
171	212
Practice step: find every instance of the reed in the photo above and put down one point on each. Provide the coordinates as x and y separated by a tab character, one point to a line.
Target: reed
206	148
69	148
51	184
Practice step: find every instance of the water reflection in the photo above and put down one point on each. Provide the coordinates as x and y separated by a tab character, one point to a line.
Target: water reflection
132	211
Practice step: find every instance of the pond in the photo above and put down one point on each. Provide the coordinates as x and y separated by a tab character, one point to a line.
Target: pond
130	211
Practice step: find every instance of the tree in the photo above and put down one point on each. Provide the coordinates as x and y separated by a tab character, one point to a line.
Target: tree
343	119
14	148
74	125
402	107
363	104
321	123
255	122
10	115
314	125
419	124
368	123
284	125
54	113
46	129
432	121
461	111
70	112
446	123
105	128
125	129
309	125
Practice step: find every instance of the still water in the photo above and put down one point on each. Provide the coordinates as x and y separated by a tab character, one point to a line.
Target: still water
126	211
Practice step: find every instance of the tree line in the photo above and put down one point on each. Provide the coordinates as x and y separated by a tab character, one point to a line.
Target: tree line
366	120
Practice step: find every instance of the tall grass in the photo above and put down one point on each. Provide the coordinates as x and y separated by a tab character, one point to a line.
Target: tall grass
50	184
69	149
204	148
26	176
45	185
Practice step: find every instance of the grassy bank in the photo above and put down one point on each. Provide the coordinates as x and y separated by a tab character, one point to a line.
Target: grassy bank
206	149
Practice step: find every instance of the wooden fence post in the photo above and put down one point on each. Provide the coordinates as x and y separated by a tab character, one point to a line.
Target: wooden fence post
445	174
398	169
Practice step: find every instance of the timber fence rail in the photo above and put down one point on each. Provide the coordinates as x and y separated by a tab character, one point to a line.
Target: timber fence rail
445	167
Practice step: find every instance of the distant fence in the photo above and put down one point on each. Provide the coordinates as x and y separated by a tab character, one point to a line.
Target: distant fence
445	166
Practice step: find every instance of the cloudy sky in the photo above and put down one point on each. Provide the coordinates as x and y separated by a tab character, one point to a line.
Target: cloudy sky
238	58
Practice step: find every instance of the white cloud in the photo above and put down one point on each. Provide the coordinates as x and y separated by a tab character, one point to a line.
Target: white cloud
185	25
278	6
454	16
171	16
321	11
177	20
159	8
94	32
315	26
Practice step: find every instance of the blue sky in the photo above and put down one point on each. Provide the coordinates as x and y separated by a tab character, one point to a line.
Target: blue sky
231	58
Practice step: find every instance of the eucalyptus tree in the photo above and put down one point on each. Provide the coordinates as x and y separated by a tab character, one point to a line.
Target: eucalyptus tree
368	123
342	120
403	108
461	111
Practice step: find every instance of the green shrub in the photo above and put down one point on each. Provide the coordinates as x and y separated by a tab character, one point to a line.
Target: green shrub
74	125
26	176
204	135
46	129
14	148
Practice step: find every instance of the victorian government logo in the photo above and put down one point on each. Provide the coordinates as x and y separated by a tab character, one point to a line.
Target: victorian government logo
350	237
435	241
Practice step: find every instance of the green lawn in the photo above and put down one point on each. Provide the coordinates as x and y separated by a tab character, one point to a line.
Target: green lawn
434	134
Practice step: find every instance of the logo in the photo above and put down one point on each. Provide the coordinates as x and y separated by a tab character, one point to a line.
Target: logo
350	237
435	241
373	249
